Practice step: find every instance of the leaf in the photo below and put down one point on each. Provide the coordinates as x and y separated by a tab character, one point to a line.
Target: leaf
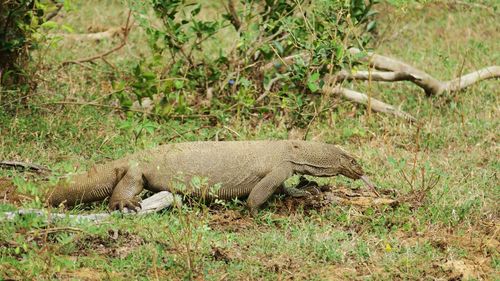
178	84
49	25
313	87
278	46
371	26
196	10
67	28
314	77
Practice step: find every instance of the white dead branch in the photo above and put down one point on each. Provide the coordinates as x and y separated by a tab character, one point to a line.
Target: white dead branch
375	104
400	71
386	69
374	75
155	203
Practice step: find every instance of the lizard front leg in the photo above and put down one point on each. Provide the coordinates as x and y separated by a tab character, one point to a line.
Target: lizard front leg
268	185
125	192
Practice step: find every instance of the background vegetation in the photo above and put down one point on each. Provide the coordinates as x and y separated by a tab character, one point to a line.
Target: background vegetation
148	93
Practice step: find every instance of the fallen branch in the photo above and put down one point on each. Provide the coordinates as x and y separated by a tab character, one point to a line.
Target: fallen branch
431	85
155	203
361	98
126	31
24	165
382	76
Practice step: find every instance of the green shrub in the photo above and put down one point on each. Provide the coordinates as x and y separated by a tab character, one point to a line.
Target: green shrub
205	62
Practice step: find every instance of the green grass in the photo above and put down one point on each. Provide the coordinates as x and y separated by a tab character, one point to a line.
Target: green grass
456	140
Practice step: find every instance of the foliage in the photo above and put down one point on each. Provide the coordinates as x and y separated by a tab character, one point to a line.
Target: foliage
189	63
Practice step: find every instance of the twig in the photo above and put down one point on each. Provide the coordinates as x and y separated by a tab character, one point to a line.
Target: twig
24	165
431	85
112	32
126	31
181	134
282	61
55	12
376	105
55	229
267	88
235	21
232	131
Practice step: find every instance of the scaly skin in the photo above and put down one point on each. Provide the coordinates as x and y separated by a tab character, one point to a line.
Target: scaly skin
224	170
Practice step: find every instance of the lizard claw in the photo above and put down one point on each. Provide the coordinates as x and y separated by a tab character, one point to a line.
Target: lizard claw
121	204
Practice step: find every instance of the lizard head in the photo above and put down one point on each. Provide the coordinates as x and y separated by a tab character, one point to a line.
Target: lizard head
327	160
324	160
351	169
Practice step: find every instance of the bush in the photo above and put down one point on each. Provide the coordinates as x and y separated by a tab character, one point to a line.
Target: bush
264	58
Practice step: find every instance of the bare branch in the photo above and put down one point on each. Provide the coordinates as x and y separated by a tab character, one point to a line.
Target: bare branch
431	85
55	12
126	31
372	76
110	33
235	21
281	62
24	165
465	81
376	105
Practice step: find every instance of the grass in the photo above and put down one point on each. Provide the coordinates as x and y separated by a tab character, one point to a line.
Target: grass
445	231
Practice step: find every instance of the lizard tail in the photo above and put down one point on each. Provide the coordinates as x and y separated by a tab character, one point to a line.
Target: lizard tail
95	185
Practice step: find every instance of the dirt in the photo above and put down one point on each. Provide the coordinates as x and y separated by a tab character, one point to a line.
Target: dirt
230	221
480	244
117	244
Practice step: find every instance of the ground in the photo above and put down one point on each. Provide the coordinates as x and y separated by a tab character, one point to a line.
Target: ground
438	177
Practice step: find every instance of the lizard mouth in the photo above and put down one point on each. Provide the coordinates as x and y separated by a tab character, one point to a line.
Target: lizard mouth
369	184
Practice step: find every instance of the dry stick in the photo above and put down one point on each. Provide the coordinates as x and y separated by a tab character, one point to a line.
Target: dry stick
376	105
431	85
30	166
55	12
351	95
235	21
382	76
55	229
112	32
126	32
282	61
